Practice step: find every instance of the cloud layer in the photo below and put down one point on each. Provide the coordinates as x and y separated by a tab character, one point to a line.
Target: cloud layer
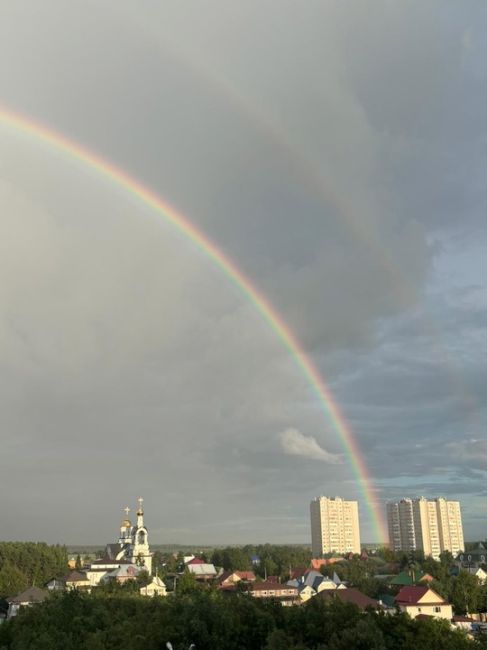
336	154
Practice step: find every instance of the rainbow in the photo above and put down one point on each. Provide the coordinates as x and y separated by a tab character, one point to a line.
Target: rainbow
119	177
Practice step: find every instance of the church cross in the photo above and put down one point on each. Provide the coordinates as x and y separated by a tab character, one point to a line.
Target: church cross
126	510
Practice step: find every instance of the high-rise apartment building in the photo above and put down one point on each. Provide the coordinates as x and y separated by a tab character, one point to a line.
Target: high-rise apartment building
334	526
429	526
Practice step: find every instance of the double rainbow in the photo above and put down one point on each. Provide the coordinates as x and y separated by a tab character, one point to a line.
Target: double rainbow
275	321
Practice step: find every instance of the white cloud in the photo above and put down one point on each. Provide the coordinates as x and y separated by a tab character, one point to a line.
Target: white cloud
294	443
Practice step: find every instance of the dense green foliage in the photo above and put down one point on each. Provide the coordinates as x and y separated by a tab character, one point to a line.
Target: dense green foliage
212	620
274	559
23	564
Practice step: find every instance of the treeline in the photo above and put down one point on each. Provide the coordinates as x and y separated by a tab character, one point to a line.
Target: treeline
210	620
23	564
273	559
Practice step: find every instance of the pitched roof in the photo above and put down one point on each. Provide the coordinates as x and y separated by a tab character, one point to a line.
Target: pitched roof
297	572
476	554
124	571
412	596
158	582
272	586
75	576
109	562
224	576
311	576
202	569
350	595
195	560
112	550
30	595
316	564
249	576
410	578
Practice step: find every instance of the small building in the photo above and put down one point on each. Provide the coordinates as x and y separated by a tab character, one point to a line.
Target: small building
155	588
229	579
476	557
478	572
77	580
417	600
56	584
201	570
123	573
27	598
298	572
101	568
285	594
409	578
350	595
306	592
316	564
464	623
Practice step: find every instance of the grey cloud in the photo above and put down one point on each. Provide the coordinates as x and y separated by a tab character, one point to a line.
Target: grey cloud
295	443
329	150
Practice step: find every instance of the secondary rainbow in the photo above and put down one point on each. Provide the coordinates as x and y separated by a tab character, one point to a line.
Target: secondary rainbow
121	178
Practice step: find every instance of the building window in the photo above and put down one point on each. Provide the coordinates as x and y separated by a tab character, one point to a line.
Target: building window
437	610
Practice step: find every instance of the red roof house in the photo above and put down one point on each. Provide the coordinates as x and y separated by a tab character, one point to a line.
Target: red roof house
416	600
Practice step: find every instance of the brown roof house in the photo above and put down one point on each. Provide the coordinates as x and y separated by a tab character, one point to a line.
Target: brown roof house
229	579
349	595
27	598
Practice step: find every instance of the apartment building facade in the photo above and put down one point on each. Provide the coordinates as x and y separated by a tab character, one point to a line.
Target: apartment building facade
334	526
431	526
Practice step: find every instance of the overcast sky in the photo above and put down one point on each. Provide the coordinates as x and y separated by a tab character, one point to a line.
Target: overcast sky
337	152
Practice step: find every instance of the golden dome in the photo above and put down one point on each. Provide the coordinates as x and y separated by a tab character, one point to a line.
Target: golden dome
126	523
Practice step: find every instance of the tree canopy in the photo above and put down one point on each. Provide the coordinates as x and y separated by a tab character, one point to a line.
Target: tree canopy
211	620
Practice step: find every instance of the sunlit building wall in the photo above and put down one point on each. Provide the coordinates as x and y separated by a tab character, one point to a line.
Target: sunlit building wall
334	526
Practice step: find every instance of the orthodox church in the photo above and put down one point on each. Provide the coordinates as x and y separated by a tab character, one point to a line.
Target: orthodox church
133	543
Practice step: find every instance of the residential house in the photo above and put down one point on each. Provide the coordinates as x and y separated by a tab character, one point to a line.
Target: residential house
476	557
350	595
478	572
101	568
229	579
56	584
417	600
298	572
412	577
155	588
464	623
201	570
305	592
314	582
123	573
27	598
77	580
285	594
316	564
